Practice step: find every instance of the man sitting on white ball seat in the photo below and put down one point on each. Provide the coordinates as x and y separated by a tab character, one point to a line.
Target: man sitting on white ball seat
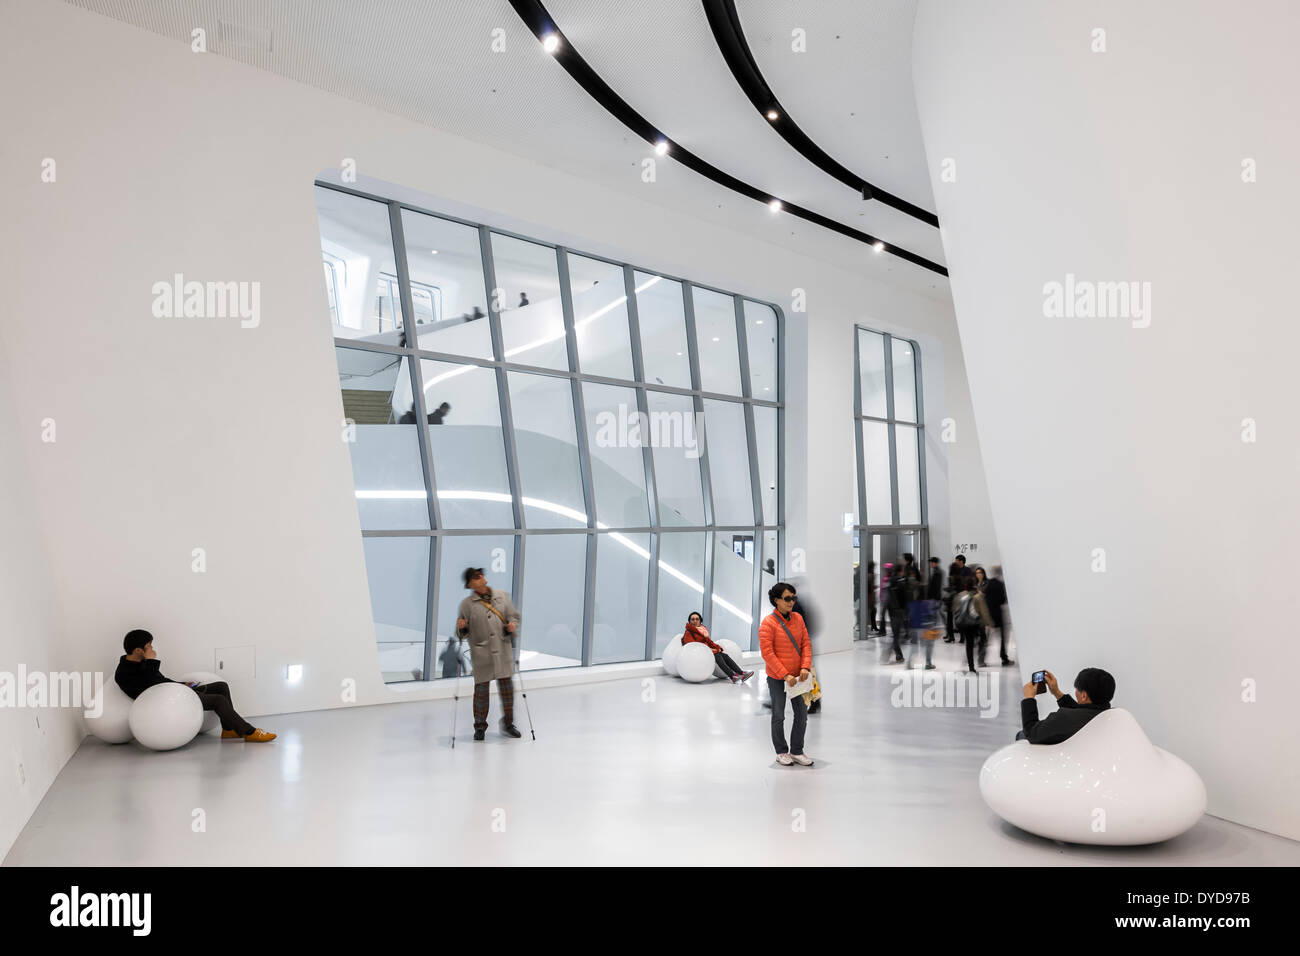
1093	689
138	670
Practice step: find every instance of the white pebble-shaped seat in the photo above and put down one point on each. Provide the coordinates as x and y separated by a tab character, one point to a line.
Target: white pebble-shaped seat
670	655
107	715
211	722
166	716
1108	784
732	650
695	663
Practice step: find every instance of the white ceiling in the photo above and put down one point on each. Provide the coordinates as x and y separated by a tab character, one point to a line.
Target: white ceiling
432	61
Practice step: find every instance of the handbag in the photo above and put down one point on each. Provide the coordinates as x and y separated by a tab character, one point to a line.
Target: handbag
816	692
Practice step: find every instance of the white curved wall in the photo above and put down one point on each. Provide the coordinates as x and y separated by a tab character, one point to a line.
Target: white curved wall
1126	433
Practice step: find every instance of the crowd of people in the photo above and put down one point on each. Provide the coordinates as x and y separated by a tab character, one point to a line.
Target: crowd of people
909	605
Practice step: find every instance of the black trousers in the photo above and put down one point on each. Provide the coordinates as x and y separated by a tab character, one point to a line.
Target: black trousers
723	660
216	697
777	689
971	635
1002	634
898	622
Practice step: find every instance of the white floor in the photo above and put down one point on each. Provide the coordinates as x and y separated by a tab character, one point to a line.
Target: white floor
627	772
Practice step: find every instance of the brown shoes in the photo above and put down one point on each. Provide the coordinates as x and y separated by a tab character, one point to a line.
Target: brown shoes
258	736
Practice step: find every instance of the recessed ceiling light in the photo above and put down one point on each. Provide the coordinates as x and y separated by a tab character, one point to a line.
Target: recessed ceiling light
760	321
774	205
679	353
661	147
772	114
550	43
879	247
716	339
433	251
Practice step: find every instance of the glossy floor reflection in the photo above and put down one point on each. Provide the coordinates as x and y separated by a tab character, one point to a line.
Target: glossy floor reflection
625	772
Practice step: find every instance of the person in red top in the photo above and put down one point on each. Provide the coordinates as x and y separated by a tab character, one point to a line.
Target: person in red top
697	632
787	653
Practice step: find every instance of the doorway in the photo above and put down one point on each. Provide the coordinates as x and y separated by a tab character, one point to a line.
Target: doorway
884	546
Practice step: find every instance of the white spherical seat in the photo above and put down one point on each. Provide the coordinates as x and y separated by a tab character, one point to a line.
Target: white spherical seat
107	715
211	722
166	716
670	655
1108	784
732	650
695	663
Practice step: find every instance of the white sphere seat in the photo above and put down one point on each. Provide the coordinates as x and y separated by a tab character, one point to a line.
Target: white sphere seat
112	725
695	663
732	650
211	722
166	716
670	655
1108	785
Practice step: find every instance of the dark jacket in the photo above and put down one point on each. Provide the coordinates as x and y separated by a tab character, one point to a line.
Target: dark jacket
1060	726
806	612
934	590
995	593
135	677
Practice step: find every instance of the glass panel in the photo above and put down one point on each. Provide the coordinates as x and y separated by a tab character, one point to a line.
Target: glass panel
715	336
728	446
397	570
360	270
733	583
528	292
675	442
448	294
547	444
760	342
768	573
622	577
681	584
904	380
909	475
765	440
875	450
600	317
662	318
555	568
871	363
469	459
386	469
615	437
495	554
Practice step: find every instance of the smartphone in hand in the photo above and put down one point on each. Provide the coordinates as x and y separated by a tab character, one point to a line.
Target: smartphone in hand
1040	678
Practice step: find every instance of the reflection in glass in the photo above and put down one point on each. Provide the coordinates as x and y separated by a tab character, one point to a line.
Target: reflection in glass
622	576
715	335
600	317
397	570
871	366
728	447
386	469
875	452
360	270
617	460
554	577
760	342
765	441
528	294
909	475
662	318
550	478
469	459
904	380
733	583
681	584
448	294
674	437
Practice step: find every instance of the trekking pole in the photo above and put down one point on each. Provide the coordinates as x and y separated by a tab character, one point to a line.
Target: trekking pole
519	675
456	696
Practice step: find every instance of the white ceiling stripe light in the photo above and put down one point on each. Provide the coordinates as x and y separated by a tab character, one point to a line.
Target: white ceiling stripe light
577	516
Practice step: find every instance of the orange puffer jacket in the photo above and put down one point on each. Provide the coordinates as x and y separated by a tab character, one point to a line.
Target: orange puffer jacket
779	653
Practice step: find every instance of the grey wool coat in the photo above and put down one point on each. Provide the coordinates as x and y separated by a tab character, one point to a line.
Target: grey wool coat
491	647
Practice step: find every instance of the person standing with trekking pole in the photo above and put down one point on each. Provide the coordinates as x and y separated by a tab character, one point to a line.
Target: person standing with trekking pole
488	618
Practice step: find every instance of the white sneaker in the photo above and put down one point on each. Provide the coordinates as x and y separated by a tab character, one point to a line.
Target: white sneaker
802	760
784	759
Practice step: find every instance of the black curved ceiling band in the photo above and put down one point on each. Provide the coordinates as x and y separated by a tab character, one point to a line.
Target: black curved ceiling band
539	21
725	22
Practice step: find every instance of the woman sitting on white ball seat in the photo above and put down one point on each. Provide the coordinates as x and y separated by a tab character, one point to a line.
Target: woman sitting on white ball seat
138	670
697	632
